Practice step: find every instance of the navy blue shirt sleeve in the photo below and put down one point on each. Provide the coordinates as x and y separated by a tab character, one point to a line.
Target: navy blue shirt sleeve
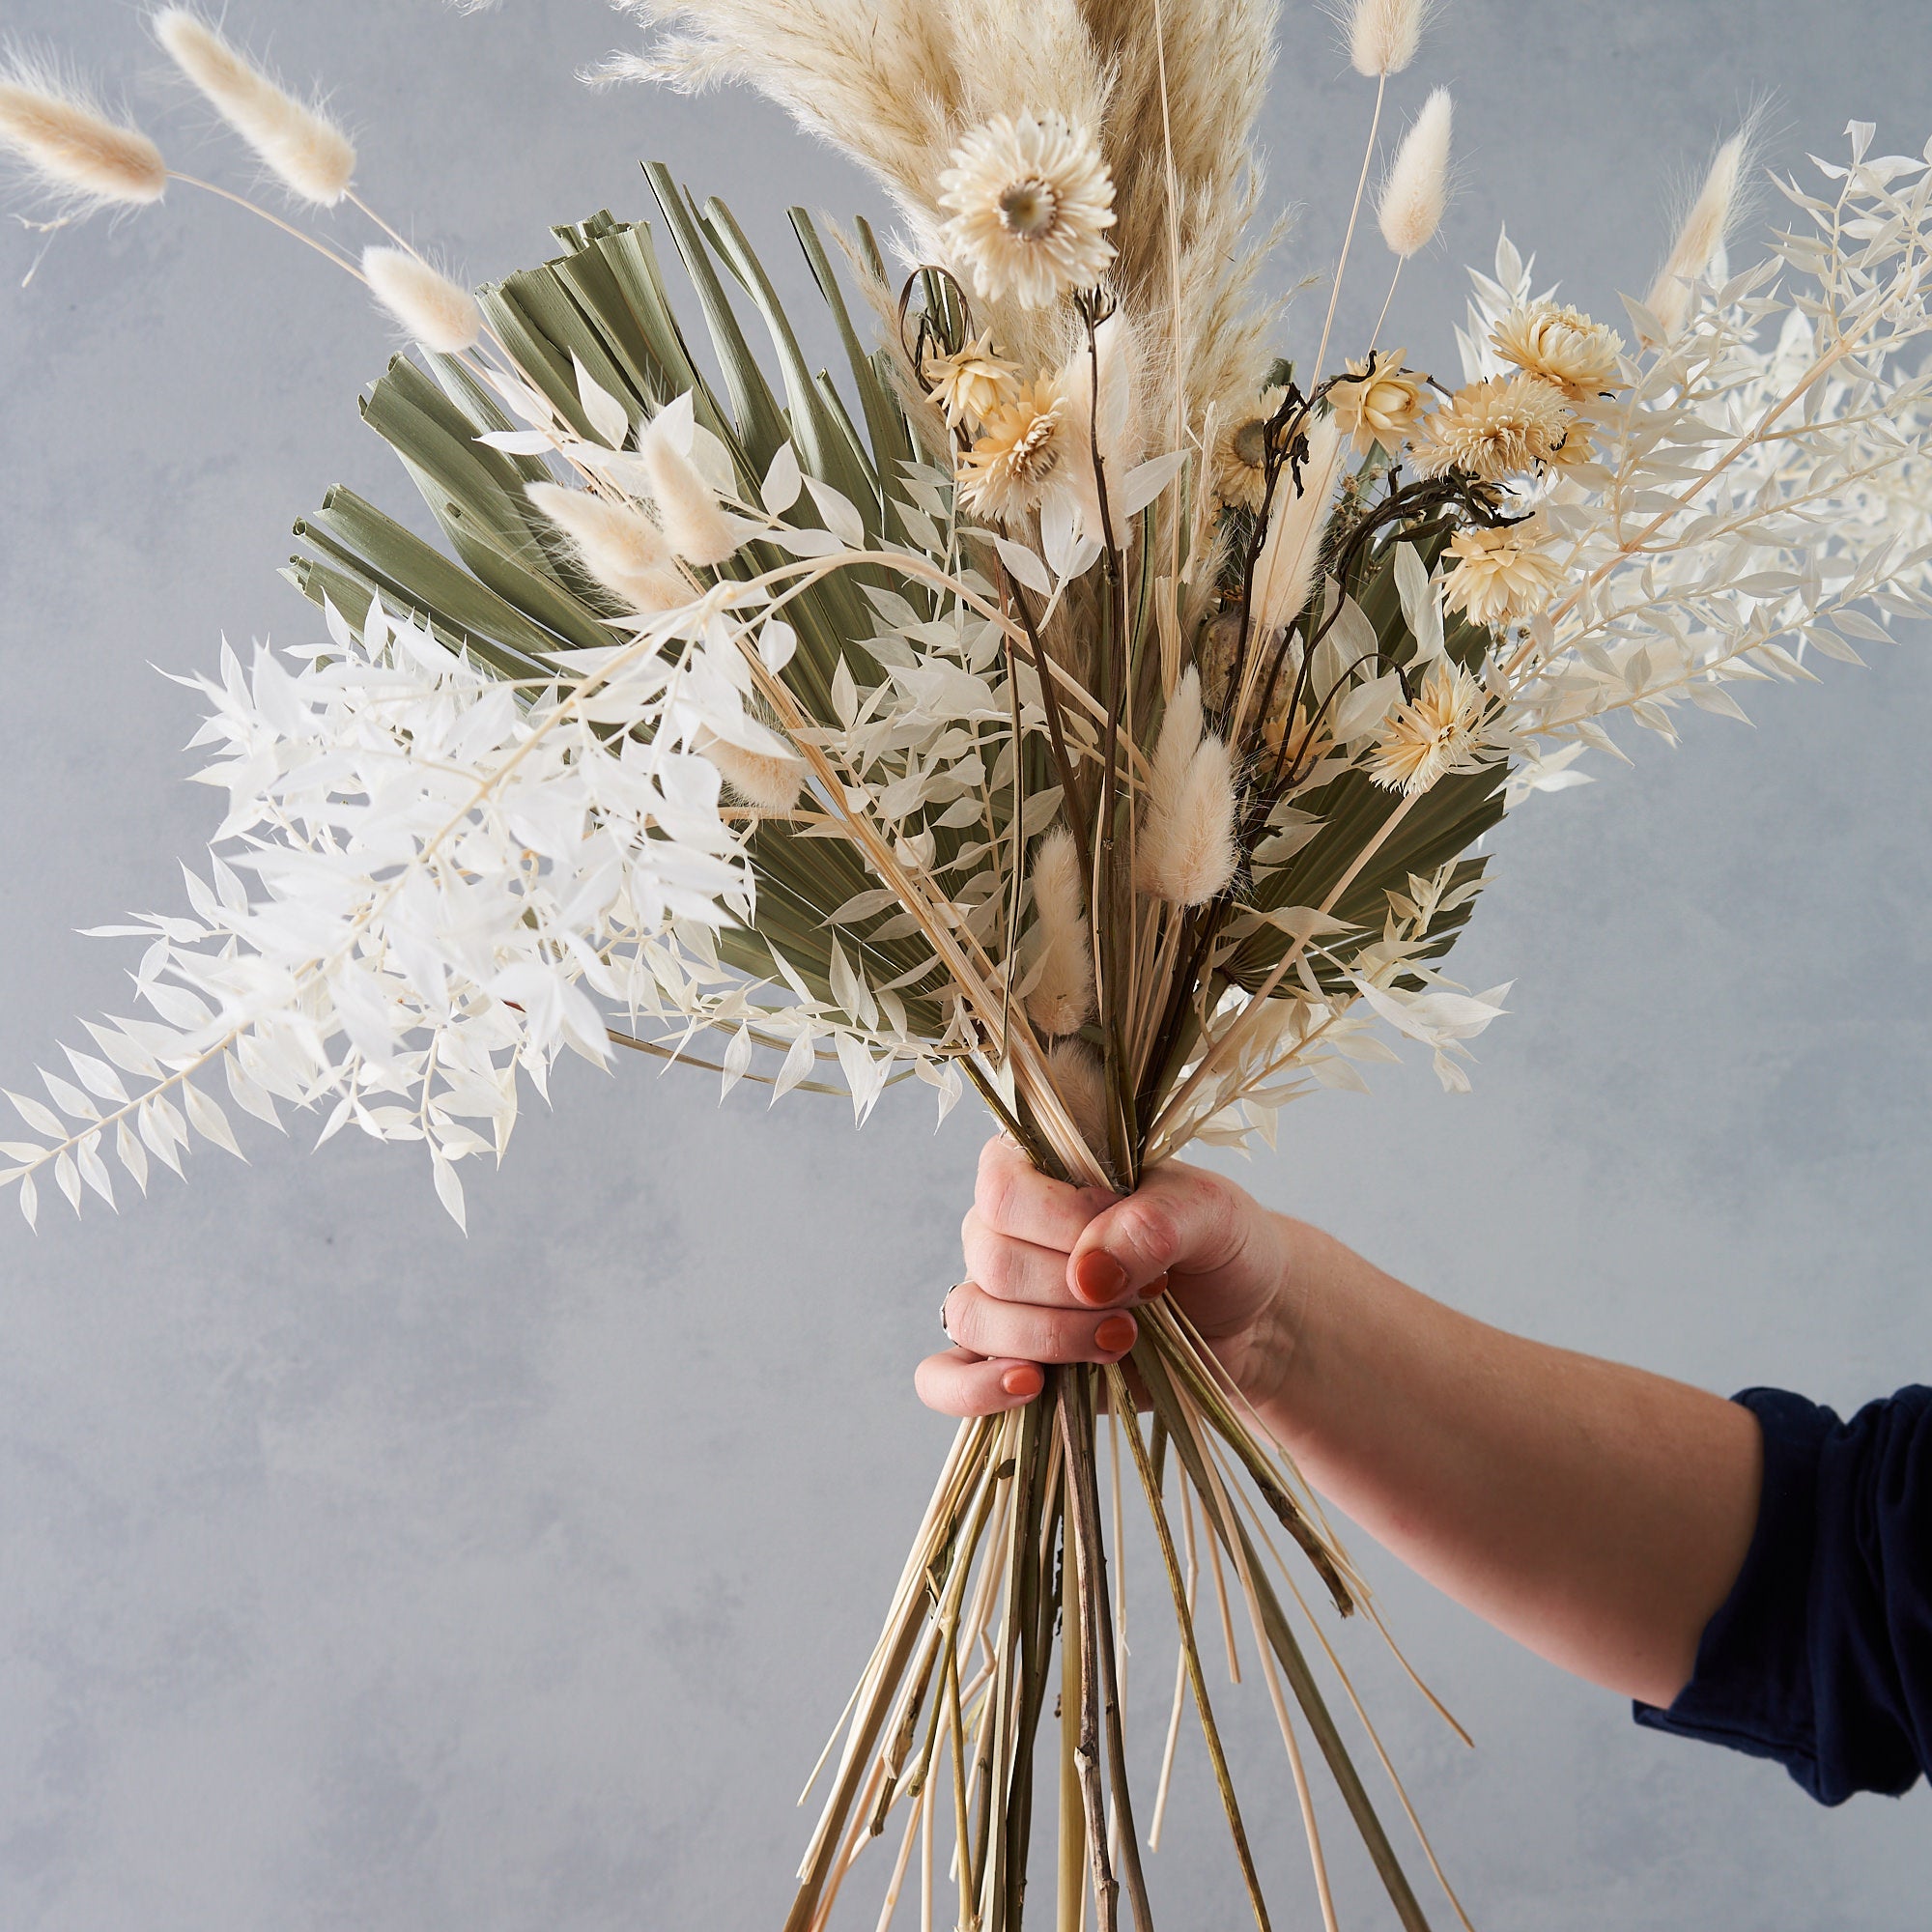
1820	1656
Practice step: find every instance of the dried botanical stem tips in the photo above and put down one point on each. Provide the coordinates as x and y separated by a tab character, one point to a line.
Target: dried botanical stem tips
71	147
1061	998
437	312
1410	208
1186	850
697	529
306	152
1701	241
767	781
1385	33
619	546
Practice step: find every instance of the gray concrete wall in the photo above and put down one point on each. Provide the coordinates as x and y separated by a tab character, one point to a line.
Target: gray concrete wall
353	1573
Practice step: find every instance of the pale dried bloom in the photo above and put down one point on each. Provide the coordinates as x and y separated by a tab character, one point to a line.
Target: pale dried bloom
768	781
1023	449
1185	849
1061	999
1416	190
971	382
1291	555
306	152
619	546
1240	455
1434	734
689	513
71	146
1504	574
1701	241
1385	33
1502	427
438	313
1381	407
1030	202
1081	1082
1561	345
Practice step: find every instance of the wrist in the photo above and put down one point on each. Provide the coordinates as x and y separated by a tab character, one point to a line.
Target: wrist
1278	1386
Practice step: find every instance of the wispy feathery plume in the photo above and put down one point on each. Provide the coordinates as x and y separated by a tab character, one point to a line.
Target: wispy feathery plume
1384	35
619	546
1410	208
1081	1082
437	312
698	529
1185	847
1700	240
766	780
1061	1000
71	145
305	151
1291	551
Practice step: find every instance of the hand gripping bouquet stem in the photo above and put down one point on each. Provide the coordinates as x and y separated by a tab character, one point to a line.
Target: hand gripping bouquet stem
1071	698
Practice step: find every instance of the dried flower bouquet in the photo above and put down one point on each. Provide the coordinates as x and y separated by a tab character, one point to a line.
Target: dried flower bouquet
1073	699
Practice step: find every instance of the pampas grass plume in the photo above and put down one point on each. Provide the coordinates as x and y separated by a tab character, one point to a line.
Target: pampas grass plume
698	530
1410	208
1285	570
619	546
1385	33
1061	997
436	311
1186	850
1701	241
73	148
306	152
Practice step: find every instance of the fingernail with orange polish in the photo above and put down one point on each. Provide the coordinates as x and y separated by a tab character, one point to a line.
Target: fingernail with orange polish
1154	1289
1024	1380
1098	1278
1115	1336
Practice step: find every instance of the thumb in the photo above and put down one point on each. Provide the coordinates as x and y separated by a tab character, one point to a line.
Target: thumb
1179	1220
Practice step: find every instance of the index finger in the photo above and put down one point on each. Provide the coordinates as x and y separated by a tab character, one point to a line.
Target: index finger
1014	1198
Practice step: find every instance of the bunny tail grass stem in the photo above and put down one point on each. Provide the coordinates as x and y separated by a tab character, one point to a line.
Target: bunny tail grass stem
274	220
1349	234
1388	301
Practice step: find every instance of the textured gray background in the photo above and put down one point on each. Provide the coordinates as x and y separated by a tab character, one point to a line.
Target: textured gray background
353	1573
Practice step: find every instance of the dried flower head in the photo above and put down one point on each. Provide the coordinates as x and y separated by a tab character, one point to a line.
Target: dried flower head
1081	1082
619	546
689	512
1561	345
1023	446
1700	240
306	152
768	781
971	382
1061	998
1494	429
1433	734
1385	33
1030	202
1416	190
1186	850
71	146
1240	455
1380	405
438	313
1504	574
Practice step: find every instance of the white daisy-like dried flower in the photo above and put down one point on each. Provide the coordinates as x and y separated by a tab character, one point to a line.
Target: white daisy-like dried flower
971	382
1502	427
1030	202
1502	575
1061	999
1184	852
619	546
1384	35
1240	455
1380	407
1433	734
1561	345
437	312
1021	450
306	152
1416	190
689	512
71	145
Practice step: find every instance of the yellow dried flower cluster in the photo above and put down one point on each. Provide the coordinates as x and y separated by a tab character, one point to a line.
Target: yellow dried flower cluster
1241	454
1379	402
971	382
1563	347
1502	575
1023	446
1502	427
1433	734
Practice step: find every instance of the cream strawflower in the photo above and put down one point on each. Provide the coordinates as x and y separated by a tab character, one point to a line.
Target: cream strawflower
1030	202
1561	345
1494	429
1504	574
971	382
1025	443
1432	735
1382	408
1240	452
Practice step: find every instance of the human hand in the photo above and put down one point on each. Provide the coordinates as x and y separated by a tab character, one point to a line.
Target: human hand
1054	1273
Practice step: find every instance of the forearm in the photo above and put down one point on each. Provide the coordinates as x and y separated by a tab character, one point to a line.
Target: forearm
1595	1513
